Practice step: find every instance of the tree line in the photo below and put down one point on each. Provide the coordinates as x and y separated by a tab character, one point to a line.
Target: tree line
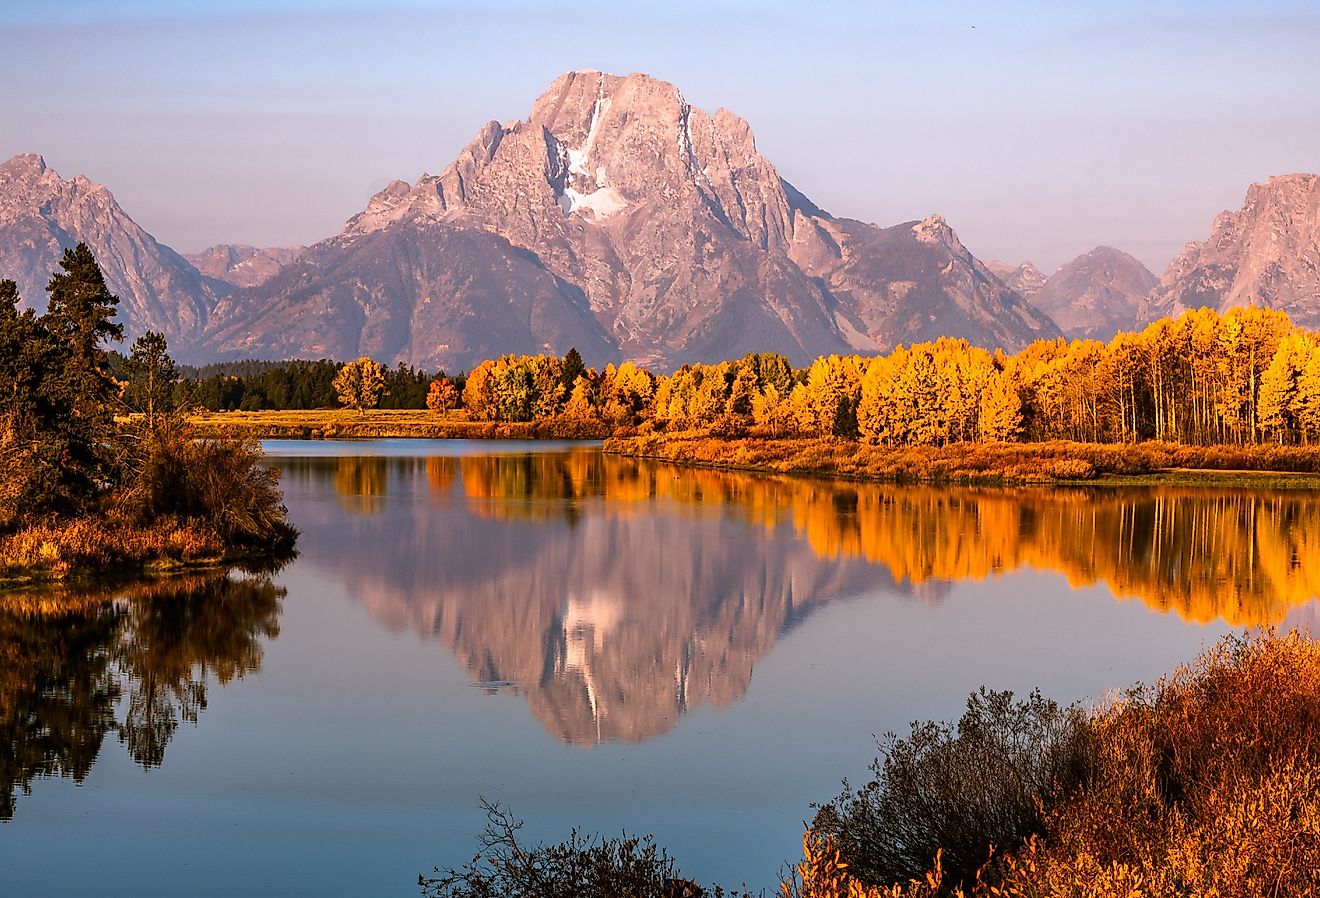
289	385
1243	378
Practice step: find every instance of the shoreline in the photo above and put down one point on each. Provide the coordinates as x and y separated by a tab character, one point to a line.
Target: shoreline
331	424
1008	464
95	552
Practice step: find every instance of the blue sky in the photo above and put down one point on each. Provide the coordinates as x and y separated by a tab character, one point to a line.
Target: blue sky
1041	132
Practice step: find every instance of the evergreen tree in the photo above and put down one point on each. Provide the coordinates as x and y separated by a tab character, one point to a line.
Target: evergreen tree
152	375
574	368
74	430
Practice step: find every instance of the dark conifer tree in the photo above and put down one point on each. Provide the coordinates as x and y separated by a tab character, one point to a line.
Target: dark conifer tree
152	375
574	368
77	393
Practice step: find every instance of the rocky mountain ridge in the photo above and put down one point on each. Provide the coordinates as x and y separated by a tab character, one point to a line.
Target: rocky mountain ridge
620	219
1267	253
1024	279
42	214
1097	294
241	265
655	230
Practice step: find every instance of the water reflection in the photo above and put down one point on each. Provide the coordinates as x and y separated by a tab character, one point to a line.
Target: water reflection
615	594
76	666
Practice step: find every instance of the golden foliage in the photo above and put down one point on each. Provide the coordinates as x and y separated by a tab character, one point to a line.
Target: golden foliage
822	873
361	384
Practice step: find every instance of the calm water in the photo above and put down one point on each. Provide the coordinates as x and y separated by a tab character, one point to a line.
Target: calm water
597	642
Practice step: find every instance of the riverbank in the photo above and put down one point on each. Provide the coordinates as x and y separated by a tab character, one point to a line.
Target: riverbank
91	549
1276	467
329	424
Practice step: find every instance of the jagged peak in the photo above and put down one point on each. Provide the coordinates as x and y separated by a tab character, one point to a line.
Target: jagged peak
1301	179
31	164
1278	188
934	229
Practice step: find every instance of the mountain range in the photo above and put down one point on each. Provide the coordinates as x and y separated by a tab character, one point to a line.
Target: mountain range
620	219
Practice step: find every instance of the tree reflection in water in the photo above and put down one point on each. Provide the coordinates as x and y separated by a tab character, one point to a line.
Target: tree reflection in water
617	594
1247	556
134	661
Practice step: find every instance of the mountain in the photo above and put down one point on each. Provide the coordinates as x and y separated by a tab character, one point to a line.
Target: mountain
620	219
1266	254
1097	294
241	265
1024	279
42	214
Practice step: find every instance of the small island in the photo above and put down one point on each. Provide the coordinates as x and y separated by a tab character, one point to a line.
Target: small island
101	476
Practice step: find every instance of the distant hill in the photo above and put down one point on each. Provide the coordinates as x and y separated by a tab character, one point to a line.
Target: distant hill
1024	279
1097	294
241	265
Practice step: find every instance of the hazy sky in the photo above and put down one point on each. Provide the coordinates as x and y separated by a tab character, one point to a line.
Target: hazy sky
1039	130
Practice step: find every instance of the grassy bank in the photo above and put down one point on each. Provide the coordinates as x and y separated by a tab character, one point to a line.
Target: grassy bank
93	548
987	463
318	424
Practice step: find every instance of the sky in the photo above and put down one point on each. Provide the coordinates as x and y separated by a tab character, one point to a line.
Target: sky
1038	130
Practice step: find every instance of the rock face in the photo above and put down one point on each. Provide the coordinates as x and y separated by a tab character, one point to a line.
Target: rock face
1097	294
1024	279
241	265
42	214
1266	254
618	218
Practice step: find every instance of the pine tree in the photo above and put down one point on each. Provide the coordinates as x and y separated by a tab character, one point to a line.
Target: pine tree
152	376
74	431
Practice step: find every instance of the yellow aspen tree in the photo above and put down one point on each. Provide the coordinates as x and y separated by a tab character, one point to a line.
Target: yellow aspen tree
479	392
360	385
1000	419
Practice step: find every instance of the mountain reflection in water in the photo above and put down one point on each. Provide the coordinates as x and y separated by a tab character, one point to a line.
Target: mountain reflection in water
77	665
615	594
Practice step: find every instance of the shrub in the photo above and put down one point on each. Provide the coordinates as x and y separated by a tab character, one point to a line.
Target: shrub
580	867
222	483
988	781
1207	783
1070	469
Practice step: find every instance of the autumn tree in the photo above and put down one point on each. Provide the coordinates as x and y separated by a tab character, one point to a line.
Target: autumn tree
441	396
360	384
1000	413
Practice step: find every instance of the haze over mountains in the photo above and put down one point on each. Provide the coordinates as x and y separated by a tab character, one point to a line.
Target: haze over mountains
619	219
